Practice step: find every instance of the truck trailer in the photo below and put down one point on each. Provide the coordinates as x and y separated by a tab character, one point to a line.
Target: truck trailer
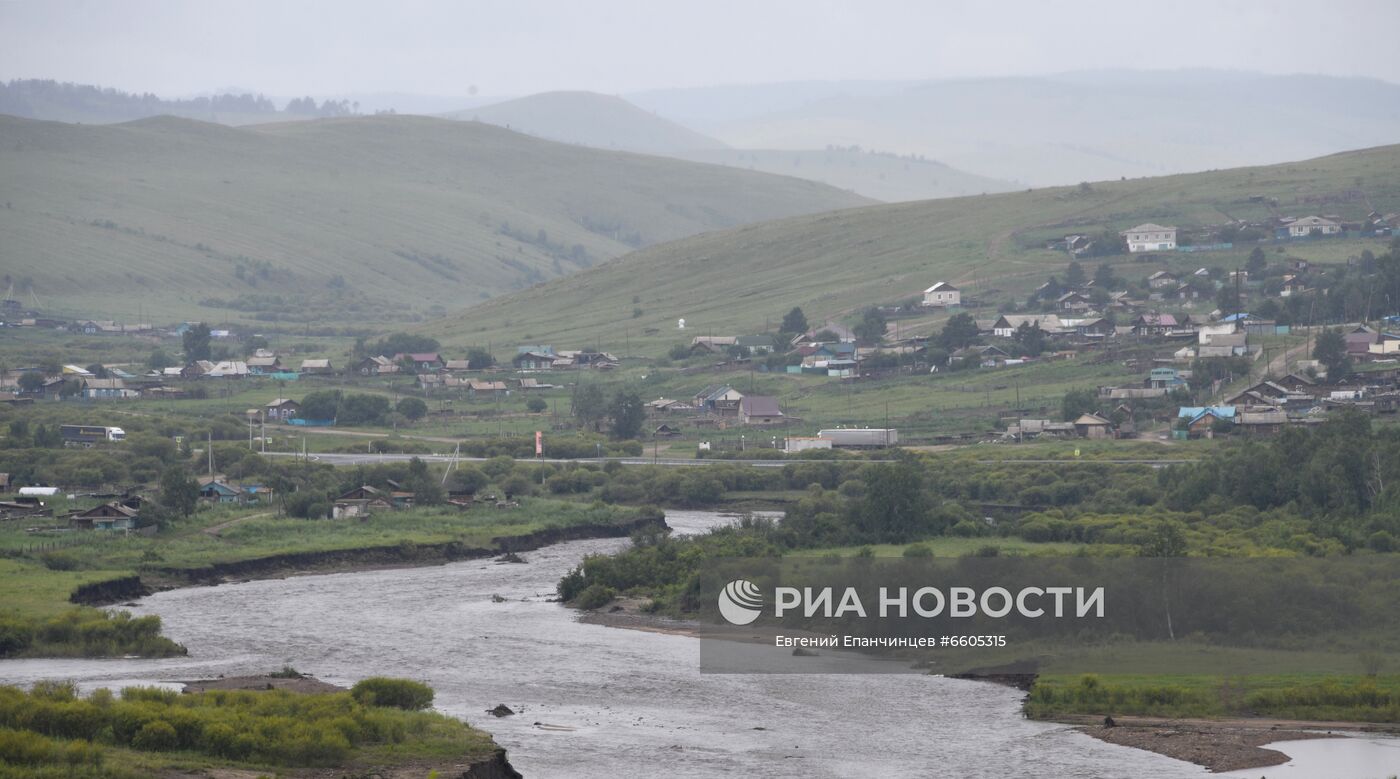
87	435
860	437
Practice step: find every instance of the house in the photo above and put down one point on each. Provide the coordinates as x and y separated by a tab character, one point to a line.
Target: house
259	366
713	344
942	295
756	344
530	384
423	362
1150	237
483	387
1007	324
456	366
1311	226
1154	324
843	334
322	367
1229	345
374	366
1292	285
106	389
1265	422
1359	341
282	409
1162	279
536	360
1074	301
361	502
223	369
108	516
1200	420
666	406
1265	393
760	410
215	491
1164	378
1093	426
718	398
1206	333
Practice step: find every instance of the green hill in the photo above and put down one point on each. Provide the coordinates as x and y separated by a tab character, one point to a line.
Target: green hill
833	264
366	219
590	119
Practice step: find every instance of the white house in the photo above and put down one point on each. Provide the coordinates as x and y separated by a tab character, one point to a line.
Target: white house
1304	227
1150	237
942	295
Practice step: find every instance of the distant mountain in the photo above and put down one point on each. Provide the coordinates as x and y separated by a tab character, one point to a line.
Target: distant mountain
65	102
886	177
356	220
591	119
1057	129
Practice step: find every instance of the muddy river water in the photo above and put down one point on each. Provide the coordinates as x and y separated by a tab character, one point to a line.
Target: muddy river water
597	701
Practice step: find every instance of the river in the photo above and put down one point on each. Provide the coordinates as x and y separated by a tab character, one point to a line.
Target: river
618	703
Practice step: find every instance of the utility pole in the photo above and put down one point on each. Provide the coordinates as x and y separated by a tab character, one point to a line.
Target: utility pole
209	447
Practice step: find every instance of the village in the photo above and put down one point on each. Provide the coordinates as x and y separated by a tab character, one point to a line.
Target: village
1196	351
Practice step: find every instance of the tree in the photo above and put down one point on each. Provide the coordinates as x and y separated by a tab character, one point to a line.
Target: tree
179	492
159	360
479	358
98	370
794	322
959	331
321	404
467	479
871	328
426	490
1078	402
413	409
1227	300
1074	274
536	405
895	508
1257	262
404	343
31	381
1030	338
361	409
589	404
253	343
196	342
628	414
1331	351
1104	278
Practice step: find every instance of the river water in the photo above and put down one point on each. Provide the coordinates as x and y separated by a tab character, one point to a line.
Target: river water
595	701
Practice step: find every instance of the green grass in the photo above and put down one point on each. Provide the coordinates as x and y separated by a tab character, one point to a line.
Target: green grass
833	264
149	218
952	546
1310	696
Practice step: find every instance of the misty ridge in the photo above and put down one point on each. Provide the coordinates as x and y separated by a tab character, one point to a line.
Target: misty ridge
887	140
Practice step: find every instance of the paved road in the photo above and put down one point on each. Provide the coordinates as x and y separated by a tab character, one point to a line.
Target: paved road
342	458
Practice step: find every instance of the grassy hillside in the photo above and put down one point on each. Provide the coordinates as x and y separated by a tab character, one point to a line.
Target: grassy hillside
886	177
366	219
833	264
591	119
1089	126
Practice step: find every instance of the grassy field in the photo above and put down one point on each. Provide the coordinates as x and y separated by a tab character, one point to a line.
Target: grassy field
1345	695
367	219
36	578
740	280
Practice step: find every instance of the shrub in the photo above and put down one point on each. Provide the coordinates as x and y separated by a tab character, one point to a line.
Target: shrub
156	736
59	561
595	596
397	693
918	551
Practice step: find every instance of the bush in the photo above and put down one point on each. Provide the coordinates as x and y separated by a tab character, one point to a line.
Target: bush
918	551
59	561
396	693
595	596
536	405
156	736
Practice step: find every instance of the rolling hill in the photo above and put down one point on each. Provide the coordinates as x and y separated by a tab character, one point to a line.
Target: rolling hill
1059	129
365	219
833	264
590	119
886	177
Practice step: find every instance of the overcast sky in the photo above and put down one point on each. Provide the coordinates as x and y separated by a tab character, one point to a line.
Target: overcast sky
512	47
